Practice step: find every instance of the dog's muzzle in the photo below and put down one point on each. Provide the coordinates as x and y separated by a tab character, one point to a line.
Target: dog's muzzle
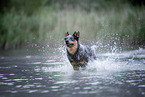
69	44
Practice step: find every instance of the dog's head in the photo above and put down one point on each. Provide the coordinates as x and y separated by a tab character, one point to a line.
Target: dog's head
71	40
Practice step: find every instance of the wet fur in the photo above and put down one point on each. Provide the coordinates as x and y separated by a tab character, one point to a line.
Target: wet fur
78	54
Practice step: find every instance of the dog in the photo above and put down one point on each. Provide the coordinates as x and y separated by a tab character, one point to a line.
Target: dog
78	55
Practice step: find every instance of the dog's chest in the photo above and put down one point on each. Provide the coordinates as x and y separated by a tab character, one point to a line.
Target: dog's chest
75	58
80	55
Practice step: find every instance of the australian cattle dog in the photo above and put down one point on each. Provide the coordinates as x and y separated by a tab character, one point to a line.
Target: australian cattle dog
78	55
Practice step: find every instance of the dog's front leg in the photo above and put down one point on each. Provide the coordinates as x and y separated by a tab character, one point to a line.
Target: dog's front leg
75	66
81	64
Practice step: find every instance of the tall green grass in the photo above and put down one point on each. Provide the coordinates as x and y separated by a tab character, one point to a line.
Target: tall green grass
125	25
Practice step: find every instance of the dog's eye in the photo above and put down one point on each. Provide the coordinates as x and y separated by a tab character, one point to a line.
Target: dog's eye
72	39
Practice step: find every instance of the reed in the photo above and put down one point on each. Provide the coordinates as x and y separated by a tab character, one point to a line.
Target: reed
125	25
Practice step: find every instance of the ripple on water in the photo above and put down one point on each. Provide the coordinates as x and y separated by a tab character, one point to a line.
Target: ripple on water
12	74
4	78
45	91
87	88
12	91
32	91
141	86
36	63
93	83
38	86
38	78
54	87
9	84
77	88
28	86
18	86
83	92
50	60
66	82
20	80
28	57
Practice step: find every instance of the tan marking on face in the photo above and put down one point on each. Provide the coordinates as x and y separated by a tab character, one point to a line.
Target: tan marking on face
72	49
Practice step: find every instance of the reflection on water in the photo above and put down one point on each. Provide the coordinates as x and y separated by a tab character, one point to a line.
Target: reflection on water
47	73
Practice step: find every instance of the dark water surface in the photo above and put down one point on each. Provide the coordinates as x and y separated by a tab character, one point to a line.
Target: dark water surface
47	73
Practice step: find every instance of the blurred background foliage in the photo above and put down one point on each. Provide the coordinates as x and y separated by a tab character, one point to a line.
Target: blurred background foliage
24	22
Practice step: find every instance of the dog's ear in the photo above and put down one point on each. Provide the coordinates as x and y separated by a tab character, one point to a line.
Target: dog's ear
66	34
76	35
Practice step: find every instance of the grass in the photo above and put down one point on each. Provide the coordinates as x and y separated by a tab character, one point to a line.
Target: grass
121	26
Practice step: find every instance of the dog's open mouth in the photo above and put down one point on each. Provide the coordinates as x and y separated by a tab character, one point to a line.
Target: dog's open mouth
69	44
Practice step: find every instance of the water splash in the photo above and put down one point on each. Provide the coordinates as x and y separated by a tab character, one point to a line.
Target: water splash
113	61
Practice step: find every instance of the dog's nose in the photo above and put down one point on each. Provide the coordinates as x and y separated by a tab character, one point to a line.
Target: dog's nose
67	42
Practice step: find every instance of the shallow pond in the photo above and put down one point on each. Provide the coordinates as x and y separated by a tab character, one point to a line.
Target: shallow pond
47	73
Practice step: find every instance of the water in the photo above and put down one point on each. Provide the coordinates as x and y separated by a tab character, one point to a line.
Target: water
47	73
